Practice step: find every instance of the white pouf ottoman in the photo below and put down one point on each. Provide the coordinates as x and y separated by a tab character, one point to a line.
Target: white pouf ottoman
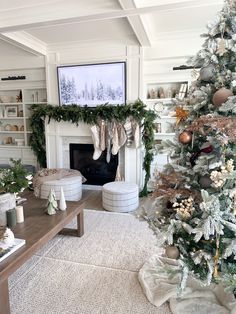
120	196
72	187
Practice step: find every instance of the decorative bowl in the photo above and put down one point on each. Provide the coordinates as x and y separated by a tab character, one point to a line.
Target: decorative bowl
20	141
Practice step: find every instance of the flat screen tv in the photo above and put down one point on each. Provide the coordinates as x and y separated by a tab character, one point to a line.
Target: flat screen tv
92	84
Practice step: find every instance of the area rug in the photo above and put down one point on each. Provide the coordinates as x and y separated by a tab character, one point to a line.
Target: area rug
97	273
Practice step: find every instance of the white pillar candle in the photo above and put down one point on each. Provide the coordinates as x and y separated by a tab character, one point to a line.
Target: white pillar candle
19	214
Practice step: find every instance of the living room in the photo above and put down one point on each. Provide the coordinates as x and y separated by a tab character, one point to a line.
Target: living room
150	56
152	41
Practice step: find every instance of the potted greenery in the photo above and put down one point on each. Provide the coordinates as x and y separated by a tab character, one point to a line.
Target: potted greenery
13	180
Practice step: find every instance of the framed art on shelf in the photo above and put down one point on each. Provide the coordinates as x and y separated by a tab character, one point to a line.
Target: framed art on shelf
11	111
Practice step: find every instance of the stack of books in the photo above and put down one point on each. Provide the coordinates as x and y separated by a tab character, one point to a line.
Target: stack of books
182	91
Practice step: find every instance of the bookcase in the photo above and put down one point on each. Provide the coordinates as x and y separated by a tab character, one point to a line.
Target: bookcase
16	98
162	97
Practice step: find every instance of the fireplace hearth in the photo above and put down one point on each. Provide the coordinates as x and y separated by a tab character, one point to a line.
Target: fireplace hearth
97	172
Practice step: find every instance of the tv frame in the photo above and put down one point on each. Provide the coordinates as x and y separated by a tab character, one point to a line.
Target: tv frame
92	64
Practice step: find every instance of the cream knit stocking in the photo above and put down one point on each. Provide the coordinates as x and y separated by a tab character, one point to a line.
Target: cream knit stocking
136	134
115	140
108	141
95	136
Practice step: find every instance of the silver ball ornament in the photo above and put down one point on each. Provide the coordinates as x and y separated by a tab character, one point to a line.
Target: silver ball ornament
207	73
172	252
205	181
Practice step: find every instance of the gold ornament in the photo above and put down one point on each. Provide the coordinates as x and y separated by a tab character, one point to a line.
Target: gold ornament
181	114
185	137
221	96
172	252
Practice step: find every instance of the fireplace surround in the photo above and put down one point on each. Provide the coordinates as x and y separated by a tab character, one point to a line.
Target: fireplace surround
59	136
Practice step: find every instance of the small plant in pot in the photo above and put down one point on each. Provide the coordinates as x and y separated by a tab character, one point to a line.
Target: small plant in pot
14	179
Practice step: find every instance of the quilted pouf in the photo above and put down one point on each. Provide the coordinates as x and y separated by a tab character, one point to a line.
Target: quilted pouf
72	187
120	196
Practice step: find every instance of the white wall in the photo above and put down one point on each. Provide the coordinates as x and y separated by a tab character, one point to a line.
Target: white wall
168	52
105	52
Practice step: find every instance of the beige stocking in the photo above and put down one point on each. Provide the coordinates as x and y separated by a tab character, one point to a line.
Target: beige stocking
121	135
115	140
102	126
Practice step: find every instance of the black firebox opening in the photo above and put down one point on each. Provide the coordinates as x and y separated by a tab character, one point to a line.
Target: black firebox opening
97	172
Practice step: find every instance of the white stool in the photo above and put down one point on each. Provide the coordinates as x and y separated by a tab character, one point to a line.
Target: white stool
72	187
120	196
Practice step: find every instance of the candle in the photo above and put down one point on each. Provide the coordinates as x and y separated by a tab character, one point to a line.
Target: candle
19	214
11	217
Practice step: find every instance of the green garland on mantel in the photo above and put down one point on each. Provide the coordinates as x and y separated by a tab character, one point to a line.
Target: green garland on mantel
76	114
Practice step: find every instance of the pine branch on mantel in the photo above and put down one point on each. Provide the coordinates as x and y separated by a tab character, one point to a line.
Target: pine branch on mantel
76	114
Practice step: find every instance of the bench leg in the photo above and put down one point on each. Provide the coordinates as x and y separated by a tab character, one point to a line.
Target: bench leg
4	297
80	224
79	231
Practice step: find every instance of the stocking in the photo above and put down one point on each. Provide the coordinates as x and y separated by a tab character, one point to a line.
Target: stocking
129	132
136	134
95	136
115	140
118	175
108	141
102	126
121	135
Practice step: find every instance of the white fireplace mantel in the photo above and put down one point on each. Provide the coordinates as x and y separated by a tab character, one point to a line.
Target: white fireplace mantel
60	134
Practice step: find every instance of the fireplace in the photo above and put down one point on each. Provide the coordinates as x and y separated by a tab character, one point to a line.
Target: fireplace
59	136
97	172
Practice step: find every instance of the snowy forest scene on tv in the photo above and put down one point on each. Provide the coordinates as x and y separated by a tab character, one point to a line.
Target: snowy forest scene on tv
92	85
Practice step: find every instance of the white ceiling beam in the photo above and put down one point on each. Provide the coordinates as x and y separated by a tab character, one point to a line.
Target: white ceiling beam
136	23
106	15
26	42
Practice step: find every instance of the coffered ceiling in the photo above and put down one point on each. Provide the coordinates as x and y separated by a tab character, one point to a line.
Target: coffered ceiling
36	26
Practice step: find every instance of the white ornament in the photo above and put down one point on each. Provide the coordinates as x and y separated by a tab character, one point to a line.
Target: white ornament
8	239
62	204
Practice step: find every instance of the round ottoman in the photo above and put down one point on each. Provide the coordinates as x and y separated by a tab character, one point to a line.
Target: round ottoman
120	196
72	187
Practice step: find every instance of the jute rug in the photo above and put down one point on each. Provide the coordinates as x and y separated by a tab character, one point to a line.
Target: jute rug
97	273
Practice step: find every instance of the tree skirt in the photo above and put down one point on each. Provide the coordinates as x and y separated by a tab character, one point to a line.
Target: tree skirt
198	299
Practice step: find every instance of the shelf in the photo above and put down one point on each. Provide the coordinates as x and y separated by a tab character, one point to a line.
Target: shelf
13	146
162	90
18	132
160	99
11	103
35	103
164	134
12	118
166	117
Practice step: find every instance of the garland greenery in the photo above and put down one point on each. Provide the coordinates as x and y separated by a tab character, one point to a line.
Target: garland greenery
76	114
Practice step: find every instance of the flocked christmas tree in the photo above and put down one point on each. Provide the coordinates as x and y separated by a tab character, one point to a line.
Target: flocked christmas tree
195	200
